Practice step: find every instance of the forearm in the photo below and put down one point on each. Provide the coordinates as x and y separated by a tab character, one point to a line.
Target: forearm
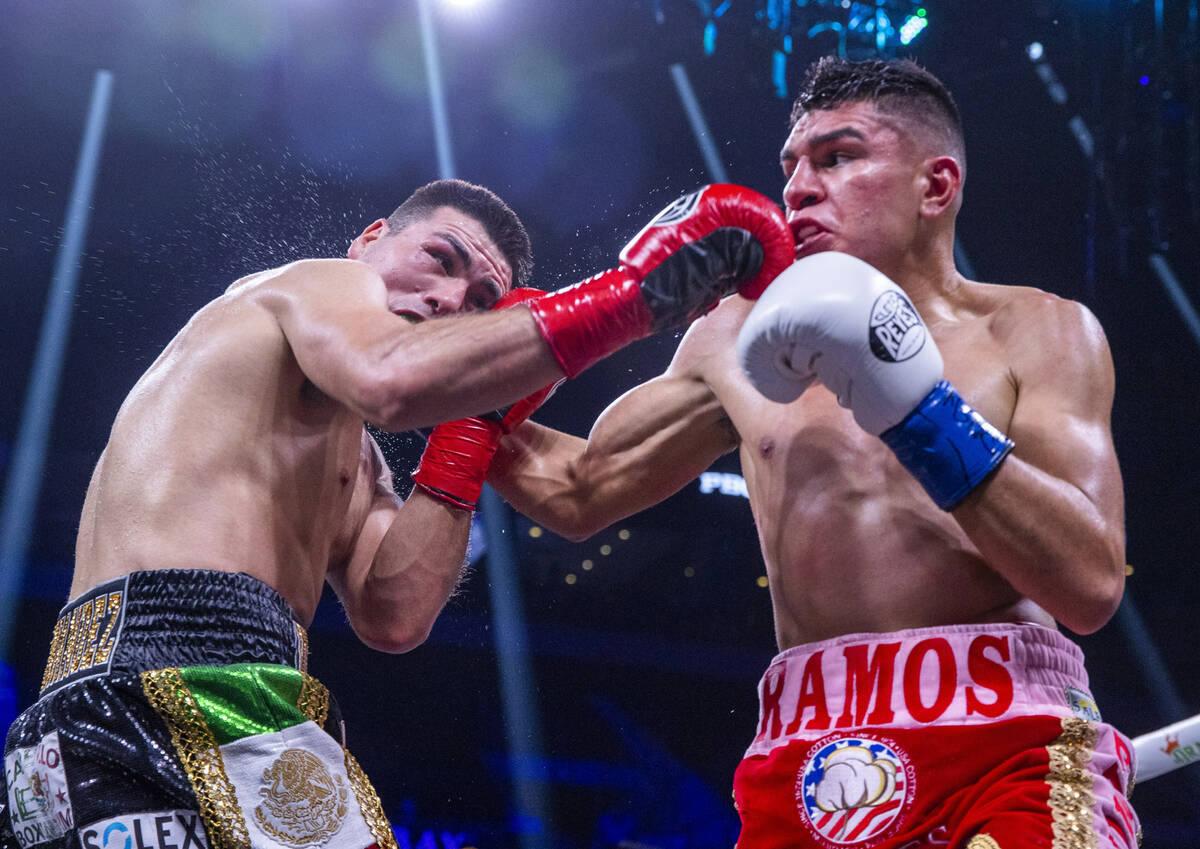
394	598
1050	541
648	445
455	367
547	476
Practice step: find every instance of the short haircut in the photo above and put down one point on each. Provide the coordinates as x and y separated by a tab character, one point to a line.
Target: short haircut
896	86
499	221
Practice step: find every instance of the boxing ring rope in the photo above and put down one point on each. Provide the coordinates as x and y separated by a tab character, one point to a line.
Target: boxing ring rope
1168	749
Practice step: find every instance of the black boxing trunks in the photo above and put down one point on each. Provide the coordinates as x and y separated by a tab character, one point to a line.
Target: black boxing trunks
176	713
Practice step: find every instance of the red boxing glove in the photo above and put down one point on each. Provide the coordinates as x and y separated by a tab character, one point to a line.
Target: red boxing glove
455	462
706	245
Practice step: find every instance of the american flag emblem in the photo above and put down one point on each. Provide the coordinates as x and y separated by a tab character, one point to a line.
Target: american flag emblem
852	789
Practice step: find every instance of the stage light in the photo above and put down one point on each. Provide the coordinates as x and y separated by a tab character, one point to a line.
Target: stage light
463	4
860	27
1144	80
912	27
1035	51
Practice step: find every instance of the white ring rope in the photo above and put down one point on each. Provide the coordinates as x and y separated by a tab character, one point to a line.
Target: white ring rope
1168	748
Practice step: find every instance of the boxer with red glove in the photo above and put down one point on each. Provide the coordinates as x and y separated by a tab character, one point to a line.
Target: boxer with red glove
706	245
455	462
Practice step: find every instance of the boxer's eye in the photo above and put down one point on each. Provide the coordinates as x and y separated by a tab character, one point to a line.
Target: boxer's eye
444	259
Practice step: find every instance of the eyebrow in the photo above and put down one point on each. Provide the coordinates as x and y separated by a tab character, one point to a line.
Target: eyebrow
463	255
824	138
458	247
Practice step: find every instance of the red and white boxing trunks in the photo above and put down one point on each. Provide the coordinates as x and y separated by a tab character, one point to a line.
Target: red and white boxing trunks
966	736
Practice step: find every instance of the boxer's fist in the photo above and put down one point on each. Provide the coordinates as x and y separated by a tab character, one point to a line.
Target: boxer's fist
457	456
834	317
705	246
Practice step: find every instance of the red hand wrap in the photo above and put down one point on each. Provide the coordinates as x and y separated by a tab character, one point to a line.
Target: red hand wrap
586	322
696	215
455	462
456	459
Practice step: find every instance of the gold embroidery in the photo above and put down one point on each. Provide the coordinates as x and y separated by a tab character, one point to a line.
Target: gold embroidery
368	803
304	802
94	610
56	646
982	841
302	647
104	649
313	700
168	693
79	616
74	647
1071	798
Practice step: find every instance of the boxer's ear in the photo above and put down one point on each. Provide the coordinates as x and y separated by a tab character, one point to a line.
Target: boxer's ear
941	184
374	231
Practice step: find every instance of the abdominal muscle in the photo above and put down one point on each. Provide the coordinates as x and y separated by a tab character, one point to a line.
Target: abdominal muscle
851	541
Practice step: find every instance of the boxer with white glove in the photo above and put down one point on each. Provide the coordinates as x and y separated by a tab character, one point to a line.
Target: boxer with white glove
833	317
706	245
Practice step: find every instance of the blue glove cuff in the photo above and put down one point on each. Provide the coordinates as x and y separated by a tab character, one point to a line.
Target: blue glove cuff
947	446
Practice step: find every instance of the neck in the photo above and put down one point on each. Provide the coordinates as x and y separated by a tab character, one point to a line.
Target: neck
929	277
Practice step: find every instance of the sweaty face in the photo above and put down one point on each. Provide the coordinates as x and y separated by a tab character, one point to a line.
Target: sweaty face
436	266
853	184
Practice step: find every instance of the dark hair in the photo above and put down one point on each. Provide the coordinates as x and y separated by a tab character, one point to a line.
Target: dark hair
499	221
898	86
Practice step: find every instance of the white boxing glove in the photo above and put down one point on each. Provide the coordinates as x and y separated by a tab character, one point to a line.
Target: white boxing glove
834	317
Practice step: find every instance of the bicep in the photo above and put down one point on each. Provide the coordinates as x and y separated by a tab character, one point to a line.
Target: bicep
373	508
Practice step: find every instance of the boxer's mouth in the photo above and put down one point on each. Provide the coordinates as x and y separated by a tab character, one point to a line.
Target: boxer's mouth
807	235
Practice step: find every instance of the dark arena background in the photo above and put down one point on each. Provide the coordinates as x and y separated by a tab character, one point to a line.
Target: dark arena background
597	694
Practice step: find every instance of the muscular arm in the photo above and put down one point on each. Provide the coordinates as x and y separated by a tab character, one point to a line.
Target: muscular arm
646	446
1051	518
394	374
404	562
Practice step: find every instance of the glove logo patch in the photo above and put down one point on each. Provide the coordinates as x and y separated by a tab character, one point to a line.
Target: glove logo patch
677	211
896	331
852	790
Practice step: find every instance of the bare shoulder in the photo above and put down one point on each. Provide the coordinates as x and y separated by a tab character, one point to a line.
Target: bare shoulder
1024	317
321	274
1045	337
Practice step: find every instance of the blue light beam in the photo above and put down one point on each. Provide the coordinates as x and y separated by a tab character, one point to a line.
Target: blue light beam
29	454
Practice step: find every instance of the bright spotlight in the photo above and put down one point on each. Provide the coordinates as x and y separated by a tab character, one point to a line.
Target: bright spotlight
1035	51
912	27
463	4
